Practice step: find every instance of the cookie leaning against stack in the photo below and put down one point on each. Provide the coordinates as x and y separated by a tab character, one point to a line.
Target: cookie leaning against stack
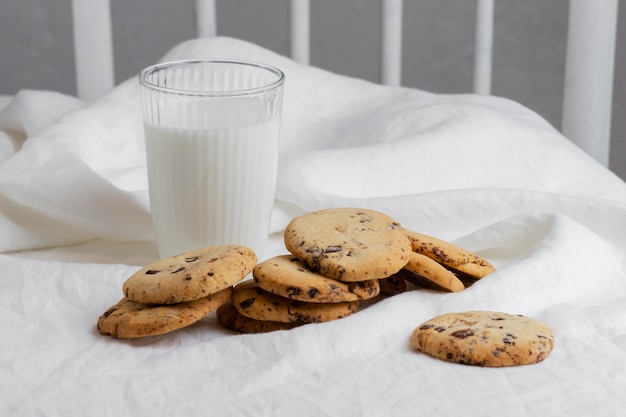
191	275
451	256
442	266
176	292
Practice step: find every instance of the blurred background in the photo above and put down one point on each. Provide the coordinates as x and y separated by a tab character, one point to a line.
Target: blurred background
36	45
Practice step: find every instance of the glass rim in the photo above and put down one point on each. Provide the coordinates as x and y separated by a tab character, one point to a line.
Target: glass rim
213	93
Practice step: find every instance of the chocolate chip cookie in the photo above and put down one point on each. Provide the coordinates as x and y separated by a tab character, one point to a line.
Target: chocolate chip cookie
229	317
289	277
349	244
450	255
254	302
191	275
130	319
484	338
428	273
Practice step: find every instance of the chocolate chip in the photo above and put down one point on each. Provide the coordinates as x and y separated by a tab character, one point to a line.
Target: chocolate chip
152	272
427	326
110	311
182	268
340	271
312	292
191	259
314	251
292	291
462	334
247	303
497	351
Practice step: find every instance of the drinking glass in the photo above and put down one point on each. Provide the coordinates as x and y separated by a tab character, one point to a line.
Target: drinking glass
212	132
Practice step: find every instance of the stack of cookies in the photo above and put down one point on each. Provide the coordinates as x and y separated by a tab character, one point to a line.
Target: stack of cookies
176	292
337	259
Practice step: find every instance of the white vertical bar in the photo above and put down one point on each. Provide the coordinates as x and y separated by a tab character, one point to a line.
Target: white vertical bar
206	19
300	33
391	42
589	70
93	48
483	47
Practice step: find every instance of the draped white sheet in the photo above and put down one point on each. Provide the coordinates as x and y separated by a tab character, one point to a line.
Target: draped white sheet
482	171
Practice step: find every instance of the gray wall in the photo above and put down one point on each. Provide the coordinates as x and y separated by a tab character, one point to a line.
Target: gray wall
529	55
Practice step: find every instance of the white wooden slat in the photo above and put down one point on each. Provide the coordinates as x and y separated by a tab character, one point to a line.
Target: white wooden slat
93	48
300	31
589	70
483	47
206	19
391	42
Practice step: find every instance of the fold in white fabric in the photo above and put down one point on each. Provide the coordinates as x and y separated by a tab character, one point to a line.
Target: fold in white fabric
83	177
484	172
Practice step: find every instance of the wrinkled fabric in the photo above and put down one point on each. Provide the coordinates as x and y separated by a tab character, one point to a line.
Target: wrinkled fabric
481	171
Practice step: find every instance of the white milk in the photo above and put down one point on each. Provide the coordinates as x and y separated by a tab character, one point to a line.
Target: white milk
192	176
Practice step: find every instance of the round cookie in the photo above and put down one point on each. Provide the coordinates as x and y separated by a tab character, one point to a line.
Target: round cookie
450	255
289	277
254	302
484	338
425	272
349	244
229	317
191	275
129	319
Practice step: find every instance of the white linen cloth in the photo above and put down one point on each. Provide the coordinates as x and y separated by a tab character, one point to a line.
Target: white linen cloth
483	172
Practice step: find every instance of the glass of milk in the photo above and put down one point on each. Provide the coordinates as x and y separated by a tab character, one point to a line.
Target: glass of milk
212	134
